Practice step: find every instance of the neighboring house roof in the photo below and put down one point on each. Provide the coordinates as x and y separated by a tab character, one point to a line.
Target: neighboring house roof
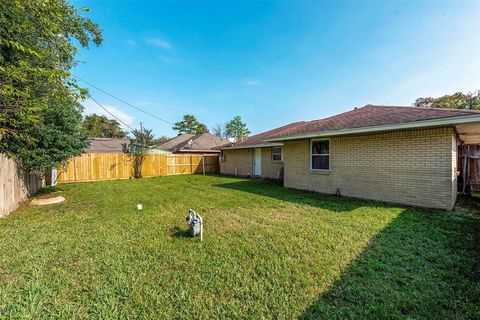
204	142
108	145
372	118
258	140
171	144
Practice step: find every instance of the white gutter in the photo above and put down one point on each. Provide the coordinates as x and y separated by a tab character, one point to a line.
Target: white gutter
385	127
262	145
197	151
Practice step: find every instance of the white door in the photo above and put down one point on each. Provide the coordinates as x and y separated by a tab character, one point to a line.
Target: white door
257	162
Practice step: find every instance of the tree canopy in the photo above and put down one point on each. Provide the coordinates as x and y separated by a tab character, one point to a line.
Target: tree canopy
38	97
141	140
457	100
236	129
190	124
143	137
160	140
102	127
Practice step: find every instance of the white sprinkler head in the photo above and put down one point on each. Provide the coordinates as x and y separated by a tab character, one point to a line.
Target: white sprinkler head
139	207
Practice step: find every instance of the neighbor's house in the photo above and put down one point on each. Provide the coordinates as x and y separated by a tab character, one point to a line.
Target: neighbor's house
204	143
119	145
403	155
108	145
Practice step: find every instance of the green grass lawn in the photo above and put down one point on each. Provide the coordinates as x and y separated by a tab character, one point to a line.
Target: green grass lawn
268	252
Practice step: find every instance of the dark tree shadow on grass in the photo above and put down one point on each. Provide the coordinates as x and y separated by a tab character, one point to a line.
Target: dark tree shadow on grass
177	232
47	191
302	197
423	265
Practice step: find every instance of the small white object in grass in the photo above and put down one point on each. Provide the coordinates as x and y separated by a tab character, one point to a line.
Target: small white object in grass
139	207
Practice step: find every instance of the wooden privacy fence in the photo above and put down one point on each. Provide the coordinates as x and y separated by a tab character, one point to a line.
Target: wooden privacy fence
15	185
109	166
469	168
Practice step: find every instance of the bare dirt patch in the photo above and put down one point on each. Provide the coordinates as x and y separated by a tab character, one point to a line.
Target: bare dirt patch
47	199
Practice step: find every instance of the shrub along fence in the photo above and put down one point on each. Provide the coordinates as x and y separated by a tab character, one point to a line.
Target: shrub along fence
110	166
15	185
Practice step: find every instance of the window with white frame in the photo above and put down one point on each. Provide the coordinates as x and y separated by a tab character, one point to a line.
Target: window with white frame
320	155
277	153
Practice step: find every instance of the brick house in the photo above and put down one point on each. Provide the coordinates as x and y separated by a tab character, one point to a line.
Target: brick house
255	156
401	155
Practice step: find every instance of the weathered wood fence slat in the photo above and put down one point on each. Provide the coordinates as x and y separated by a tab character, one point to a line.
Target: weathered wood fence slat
110	166
15	185
469	168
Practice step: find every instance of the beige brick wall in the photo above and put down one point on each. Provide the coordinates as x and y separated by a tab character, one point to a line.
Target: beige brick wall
408	167
270	169
237	162
242	161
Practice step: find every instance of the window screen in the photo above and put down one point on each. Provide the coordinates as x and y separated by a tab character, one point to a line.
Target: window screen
277	154
320	154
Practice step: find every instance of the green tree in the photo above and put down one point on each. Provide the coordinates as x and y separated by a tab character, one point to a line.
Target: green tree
57	138
102	127
36	53
236	129
190	124
142	139
160	140
457	100
201	128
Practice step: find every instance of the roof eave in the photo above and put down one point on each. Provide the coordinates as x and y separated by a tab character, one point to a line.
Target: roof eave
198	150
263	145
387	127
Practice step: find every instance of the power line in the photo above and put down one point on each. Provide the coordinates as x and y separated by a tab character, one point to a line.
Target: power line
111	114
123	101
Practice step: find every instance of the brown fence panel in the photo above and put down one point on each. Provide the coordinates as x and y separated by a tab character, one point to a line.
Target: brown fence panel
154	165
110	166
179	164
472	170
96	166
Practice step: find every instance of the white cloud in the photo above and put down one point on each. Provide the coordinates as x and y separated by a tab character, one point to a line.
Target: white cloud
91	107
131	42
159	43
251	82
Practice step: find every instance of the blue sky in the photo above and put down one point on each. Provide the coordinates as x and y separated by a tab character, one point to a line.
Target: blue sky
274	63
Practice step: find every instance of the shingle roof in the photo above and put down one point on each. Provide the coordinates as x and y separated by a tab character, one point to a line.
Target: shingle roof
201	142
259	139
171	144
371	115
107	145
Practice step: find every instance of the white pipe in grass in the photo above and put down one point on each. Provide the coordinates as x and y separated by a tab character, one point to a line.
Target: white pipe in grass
201	227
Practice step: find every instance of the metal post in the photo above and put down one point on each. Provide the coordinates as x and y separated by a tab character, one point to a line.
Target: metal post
53	181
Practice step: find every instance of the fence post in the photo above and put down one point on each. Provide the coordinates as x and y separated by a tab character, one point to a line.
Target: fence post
191	164
203	163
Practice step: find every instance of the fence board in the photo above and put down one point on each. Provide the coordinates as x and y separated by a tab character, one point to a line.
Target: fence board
111	166
15	185
473	167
